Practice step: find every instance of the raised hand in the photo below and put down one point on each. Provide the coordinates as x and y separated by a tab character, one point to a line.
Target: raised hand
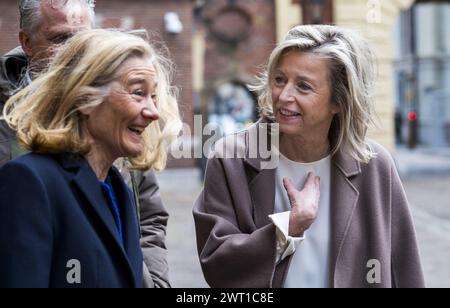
304	204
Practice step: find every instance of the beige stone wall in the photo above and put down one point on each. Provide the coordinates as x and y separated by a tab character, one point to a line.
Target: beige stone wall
375	20
288	15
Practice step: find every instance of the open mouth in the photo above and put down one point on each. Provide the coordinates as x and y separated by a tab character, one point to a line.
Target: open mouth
136	130
288	113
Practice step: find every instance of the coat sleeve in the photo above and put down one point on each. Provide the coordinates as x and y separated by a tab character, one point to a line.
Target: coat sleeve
406	266
153	223
230	258
26	237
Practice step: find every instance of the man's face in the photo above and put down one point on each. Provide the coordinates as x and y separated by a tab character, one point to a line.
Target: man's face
58	23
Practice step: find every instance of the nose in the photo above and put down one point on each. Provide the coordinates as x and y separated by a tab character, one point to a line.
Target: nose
287	94
150	112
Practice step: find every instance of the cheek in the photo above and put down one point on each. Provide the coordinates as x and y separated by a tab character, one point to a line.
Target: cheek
122	108
275	94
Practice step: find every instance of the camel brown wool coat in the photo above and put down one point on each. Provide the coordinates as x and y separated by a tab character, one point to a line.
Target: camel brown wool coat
370	220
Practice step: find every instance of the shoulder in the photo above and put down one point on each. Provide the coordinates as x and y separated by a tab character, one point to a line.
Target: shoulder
382	155
243	143
230	145
35	165
21	180
35	160
383	161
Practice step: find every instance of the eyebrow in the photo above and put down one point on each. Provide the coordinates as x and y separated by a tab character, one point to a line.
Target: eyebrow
298	77
306	78
140	80
136	80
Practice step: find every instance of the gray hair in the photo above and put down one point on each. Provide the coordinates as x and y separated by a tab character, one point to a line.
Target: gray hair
30	13
352	72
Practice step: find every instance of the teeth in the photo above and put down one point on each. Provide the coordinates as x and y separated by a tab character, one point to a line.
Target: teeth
136	130
288	113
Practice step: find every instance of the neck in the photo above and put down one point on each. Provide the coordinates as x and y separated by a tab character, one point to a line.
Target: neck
303	150
99	162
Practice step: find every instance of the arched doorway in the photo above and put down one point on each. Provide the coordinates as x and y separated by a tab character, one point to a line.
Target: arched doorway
232	107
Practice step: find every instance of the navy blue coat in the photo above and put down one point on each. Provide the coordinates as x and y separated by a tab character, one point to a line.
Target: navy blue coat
56	226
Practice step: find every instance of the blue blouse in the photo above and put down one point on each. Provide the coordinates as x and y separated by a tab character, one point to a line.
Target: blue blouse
109	191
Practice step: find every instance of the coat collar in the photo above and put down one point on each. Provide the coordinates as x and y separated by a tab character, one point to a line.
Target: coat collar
344	196
86	181
12	66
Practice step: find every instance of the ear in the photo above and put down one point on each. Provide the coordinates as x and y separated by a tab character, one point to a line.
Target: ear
335	109
25	42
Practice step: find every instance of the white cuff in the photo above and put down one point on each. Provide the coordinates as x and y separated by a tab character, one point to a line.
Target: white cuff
286	245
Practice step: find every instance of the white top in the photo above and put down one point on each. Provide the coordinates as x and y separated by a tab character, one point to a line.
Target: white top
310	266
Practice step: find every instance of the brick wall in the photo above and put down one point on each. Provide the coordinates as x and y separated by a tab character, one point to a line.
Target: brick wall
9	25
243	62
132	14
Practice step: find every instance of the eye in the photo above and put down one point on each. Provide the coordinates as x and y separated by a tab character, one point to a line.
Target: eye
60	39
139	92
304	87
279	80
155	98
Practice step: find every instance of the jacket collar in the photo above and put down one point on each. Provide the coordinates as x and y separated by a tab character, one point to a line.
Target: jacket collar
12	66
86	181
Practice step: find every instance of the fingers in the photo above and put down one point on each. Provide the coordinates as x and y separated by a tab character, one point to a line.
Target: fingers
291	191
312	181
289	186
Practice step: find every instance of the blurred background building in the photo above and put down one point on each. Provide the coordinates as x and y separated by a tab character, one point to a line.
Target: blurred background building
422	75
411	38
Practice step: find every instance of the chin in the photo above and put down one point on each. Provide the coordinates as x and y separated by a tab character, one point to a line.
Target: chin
289	130
134	152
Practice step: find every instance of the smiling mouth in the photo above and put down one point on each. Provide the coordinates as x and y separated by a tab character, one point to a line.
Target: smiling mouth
136	130
288	113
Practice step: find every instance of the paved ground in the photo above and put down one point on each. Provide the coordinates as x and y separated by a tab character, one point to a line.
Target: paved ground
430	204
429	196
179	189
422	161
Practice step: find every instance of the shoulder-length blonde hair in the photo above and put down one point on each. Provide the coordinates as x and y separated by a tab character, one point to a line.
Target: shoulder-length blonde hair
47	116
352	75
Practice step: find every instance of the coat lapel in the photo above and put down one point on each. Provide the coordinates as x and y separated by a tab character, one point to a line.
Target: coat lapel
131	233
344	199
86	181
261	181
262	190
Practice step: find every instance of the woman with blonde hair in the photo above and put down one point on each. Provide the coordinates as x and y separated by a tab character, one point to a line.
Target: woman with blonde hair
67	219
333	212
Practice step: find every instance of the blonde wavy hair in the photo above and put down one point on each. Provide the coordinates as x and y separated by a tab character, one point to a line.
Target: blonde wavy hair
352	73
47	114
